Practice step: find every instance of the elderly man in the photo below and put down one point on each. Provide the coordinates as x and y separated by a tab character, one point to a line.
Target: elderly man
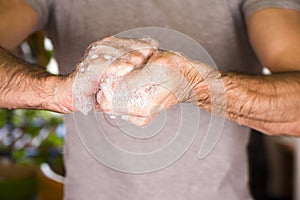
267	103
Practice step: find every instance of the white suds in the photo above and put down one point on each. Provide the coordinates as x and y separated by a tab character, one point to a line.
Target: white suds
94	56
112	117
107	57
140	97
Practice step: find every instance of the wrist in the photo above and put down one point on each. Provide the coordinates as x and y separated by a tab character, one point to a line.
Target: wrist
51	92
209	92
24	85
59	97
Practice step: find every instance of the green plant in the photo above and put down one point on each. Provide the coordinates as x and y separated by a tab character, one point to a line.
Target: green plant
31	136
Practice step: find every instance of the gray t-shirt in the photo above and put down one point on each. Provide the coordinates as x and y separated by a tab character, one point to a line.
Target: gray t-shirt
218	25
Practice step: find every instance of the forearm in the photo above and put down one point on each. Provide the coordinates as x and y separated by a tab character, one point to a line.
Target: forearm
27	86
270	104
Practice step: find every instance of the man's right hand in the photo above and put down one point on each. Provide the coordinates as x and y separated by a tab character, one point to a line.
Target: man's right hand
105	62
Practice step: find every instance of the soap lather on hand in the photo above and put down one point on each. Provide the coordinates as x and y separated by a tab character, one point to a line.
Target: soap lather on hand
105	62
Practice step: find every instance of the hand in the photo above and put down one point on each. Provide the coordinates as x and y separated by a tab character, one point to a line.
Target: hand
168	79
108	59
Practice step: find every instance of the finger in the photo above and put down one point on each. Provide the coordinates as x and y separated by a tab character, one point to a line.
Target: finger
139	121
128	44
153	73
119	68
146	46
102	103
136	58
140	52
98	107
151	41
135	51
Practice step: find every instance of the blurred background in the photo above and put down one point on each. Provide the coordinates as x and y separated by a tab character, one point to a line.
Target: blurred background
31	142
31	148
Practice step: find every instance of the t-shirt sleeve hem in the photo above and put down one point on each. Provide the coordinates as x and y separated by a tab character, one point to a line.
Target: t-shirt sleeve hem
251	7
42	10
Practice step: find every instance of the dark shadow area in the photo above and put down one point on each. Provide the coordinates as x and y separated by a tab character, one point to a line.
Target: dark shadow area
270	168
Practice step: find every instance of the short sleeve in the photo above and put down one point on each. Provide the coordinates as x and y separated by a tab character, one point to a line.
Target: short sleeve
251	6
42	7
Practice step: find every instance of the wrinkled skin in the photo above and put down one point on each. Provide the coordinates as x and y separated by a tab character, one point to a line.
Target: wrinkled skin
166	80
133	79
